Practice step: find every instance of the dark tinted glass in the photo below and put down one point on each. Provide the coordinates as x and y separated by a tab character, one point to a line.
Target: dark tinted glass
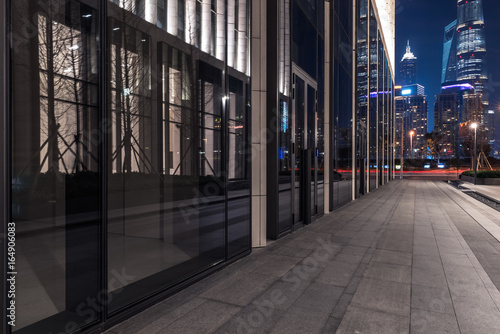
56	165
304	42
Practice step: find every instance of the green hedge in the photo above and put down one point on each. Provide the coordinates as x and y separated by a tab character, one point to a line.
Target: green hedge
484	173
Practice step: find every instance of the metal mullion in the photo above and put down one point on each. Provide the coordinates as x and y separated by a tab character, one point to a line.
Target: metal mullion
71	102
105	124
5	156
225	134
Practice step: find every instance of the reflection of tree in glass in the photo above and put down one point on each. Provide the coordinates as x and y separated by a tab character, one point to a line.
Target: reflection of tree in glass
67	97
130	91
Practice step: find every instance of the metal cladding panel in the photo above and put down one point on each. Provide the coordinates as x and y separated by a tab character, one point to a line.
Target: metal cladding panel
387	14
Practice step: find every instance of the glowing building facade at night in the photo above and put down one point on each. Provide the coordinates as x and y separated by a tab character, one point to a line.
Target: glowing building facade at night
464	63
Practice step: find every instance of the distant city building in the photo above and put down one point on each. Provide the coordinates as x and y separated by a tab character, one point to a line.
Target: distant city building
446	121
456	108
408	68
449	69
471	55
471	46
464	72
411	115
410	109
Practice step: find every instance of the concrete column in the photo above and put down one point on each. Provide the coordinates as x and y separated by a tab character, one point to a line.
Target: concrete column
172	13
259	97
151	11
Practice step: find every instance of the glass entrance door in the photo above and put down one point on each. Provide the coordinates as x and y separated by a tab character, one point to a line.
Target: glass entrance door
304	145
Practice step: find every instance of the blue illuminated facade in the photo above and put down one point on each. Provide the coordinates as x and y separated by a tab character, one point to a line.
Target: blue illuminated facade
449	69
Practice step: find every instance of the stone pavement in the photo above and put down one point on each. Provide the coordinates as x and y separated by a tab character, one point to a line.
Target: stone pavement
410	257
492	191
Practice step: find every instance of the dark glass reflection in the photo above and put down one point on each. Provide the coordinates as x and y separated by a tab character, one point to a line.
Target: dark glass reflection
238	204
311	147
342	144
381	113
320	139
373	33
55	164
299	169
285	167
362	99
166	188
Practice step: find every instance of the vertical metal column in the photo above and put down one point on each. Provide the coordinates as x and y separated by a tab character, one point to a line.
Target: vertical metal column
354	104
327	132
368	92
272	116
105	124
4	150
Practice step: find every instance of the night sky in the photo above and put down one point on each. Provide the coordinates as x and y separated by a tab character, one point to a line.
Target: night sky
423	22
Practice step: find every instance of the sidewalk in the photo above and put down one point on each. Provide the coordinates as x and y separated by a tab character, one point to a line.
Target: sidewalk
410	257
490	191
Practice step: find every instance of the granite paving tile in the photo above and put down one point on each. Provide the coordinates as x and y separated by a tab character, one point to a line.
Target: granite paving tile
373	322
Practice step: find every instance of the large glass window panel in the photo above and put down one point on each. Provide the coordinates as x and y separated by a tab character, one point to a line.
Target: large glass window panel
386	119
134	176
55	165
343	139
389	124
362	98
285	167
381	112
311	145
300	145
320	139
373	70
238	204
304	41
342	105
211	210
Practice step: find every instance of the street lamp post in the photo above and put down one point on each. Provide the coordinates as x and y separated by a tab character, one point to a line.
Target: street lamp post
411	144
474	126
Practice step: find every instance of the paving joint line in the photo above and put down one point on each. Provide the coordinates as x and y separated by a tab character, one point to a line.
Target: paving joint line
490	287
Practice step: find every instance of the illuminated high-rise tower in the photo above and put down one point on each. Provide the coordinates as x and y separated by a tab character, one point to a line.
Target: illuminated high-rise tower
449	69
408	68
471	47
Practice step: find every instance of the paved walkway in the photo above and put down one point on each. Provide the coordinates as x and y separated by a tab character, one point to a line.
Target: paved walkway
410	257
492	191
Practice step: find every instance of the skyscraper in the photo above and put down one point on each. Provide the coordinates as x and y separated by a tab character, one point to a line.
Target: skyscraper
410	107
408	68
464	63
449	69
471	47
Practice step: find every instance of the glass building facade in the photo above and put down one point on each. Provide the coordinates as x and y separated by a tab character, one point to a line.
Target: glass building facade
449	66
149	143
471	55
130	152
464	66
